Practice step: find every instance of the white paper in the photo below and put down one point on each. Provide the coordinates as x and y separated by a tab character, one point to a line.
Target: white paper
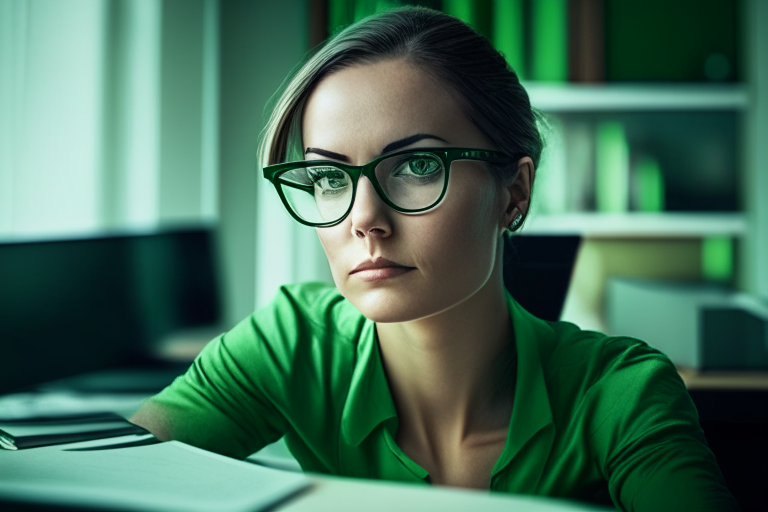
168	476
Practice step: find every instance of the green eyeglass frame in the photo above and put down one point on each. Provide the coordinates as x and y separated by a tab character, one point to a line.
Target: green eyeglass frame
446	156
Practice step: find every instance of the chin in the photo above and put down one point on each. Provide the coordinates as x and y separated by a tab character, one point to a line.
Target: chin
394	306
387	305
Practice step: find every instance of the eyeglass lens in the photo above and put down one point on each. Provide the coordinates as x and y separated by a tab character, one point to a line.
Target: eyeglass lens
323	193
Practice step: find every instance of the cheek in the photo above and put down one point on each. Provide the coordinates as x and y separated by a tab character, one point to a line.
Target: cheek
464	233
333	241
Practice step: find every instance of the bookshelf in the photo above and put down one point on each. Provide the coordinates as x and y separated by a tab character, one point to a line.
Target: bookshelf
695	80
642	104
640	224
560	98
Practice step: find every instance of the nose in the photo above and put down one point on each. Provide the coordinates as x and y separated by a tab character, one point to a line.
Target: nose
370	216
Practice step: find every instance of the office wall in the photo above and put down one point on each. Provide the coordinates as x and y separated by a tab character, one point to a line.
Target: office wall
50	115
263	248
107	109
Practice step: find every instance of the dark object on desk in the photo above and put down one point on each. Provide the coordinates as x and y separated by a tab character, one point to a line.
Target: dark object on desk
733	338
74	306
32	433
149	379
537	271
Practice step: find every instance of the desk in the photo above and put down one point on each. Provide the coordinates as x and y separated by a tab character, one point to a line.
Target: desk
696	380
175	477
334	494
730	412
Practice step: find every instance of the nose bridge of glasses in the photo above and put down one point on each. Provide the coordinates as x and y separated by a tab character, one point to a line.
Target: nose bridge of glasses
365	188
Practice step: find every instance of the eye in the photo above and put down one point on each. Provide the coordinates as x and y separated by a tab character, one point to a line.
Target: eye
328	178
419	166
424	166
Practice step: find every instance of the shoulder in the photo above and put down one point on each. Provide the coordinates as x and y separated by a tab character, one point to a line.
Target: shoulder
306	325
300	311
597	355
604	379
629	408
307	334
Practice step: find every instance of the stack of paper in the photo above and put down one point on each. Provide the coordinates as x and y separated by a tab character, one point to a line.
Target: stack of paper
160	477
45	431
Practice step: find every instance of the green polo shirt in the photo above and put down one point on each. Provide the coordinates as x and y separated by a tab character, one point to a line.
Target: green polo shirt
592	414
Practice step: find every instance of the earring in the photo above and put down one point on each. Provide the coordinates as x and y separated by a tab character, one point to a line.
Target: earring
513	225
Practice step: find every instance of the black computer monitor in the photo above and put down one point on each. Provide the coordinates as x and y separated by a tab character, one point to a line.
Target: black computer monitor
77	305
538	269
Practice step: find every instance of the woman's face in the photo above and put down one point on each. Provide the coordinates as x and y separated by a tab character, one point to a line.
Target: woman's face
444	255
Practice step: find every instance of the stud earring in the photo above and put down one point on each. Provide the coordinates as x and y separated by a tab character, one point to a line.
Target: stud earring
515	223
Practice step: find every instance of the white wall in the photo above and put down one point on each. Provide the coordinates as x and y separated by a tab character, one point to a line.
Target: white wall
108	115
263	247
51	115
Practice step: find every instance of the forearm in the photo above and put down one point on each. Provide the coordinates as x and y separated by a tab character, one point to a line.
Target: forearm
152	418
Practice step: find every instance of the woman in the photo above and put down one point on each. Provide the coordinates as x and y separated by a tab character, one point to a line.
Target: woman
412	149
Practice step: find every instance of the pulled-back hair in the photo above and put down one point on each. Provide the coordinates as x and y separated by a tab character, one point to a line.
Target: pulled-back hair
488	90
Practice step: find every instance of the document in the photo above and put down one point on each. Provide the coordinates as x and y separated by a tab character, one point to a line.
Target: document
34	432
124	475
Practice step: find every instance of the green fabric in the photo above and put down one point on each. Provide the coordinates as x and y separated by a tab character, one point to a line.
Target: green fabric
591	413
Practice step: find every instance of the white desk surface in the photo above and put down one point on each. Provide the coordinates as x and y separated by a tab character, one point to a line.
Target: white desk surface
334	494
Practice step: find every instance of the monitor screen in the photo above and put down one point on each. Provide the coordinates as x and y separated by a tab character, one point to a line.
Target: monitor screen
77	305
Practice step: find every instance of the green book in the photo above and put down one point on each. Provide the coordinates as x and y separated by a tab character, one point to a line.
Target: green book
340	14
549	22
462	9
32	433
650	186
508	33
717	258
612	168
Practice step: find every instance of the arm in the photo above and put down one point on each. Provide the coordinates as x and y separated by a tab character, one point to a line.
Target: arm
654	454
227	401
153	418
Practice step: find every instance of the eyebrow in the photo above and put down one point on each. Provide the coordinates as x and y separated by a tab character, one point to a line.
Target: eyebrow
392	146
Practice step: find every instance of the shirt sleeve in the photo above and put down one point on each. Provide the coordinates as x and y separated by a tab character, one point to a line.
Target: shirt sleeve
232	400
652	450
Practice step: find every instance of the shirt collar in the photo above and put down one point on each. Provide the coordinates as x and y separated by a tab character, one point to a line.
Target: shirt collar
369	402
531	411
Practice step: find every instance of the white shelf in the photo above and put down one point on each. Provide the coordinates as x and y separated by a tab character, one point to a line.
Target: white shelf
636	97
639	225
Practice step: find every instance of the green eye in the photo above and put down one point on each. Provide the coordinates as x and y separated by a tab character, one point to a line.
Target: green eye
423	166
328	177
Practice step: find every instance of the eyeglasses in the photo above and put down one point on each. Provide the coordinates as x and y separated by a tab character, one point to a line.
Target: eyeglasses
321	193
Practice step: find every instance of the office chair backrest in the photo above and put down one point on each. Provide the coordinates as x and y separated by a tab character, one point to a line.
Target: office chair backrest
538	269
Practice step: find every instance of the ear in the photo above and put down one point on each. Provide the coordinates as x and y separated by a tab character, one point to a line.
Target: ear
518	193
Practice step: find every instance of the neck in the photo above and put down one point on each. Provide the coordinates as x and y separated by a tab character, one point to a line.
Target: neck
450	373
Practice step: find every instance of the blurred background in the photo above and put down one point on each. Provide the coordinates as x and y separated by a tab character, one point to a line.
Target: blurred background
132	210
143	115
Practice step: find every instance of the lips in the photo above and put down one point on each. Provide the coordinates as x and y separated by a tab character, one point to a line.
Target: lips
379	263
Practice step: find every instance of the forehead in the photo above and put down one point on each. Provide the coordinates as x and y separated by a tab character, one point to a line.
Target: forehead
358	110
